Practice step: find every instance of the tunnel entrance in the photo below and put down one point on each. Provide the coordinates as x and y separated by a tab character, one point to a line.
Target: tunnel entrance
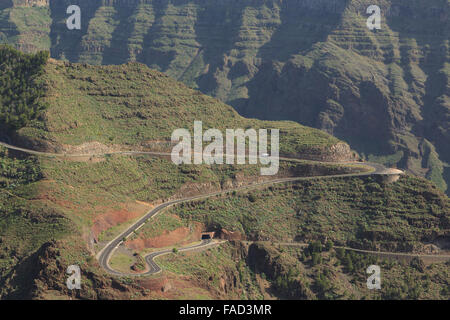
207	235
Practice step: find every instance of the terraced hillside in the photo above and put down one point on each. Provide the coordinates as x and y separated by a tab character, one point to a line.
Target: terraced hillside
386	92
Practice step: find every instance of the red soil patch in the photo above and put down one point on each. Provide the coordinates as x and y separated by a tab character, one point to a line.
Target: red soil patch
112	218
107	218
168	238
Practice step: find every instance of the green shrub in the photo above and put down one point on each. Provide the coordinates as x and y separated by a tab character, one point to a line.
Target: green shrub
21	88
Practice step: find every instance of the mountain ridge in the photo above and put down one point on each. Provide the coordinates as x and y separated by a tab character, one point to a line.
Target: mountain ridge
386	92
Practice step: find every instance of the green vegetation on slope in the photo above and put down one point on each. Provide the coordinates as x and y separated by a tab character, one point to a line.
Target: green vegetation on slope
133	105
359	212
21	86
25	225
315	272
217	270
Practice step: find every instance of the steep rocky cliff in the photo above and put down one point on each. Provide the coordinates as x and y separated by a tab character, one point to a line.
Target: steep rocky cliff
313	61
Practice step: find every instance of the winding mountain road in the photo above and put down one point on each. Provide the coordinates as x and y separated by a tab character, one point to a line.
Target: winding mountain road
152	268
